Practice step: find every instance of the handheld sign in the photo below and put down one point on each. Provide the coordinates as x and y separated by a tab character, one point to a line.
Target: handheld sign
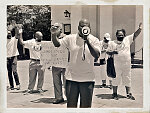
53	56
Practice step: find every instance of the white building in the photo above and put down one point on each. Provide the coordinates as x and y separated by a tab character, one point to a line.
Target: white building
103	18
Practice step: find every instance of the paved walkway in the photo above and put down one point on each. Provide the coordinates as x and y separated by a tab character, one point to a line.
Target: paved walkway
101	97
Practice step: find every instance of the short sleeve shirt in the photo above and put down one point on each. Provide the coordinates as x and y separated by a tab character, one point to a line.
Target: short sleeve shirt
12	47
123	49
34	48
78	69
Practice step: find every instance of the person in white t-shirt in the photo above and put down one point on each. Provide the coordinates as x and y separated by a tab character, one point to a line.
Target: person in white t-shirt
12	53
80	78
122	61
35	68
104	47
58	73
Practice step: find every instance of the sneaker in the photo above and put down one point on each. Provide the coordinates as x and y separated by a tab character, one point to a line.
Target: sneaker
18	87
130	96
110	86
40	91
28	92
115	96
12	88
58	101
103	86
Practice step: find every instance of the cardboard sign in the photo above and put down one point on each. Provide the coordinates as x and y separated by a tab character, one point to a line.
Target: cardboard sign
53	56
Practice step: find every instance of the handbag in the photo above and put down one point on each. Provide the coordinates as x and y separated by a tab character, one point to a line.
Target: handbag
110	67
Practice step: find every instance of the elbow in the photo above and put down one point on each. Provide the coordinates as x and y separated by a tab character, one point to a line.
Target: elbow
56	44
97	55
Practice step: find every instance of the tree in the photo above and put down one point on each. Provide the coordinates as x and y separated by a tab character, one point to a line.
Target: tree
32	17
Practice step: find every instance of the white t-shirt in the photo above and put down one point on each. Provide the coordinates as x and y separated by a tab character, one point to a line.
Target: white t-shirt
103	54
34	48
12	47
80	70
123	49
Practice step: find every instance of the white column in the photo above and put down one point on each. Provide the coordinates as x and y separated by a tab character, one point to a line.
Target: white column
93	21
139	39
105	20
76	15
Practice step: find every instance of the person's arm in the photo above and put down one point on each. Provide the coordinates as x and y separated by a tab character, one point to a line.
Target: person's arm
94	51
112	52
55	40
20	39
103	51
111	48
138	31
18	35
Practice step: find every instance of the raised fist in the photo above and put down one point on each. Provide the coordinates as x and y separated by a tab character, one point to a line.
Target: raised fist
140	25
56	28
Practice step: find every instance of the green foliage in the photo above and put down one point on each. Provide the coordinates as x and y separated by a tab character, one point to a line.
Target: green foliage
32	17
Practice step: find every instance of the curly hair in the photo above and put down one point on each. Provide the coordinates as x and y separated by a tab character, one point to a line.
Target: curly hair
122	30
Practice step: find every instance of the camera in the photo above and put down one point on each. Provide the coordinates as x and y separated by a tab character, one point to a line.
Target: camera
86	31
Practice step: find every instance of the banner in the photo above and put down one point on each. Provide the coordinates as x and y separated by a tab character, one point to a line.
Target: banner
53	56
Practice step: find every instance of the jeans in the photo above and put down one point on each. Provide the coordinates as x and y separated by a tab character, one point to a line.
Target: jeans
73	89
12	68
57	74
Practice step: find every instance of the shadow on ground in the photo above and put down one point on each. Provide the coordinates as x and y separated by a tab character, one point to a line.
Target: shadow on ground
46	101
99	86
33	92
108	96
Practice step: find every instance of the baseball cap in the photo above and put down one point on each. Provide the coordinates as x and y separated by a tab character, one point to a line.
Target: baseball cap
58	25
107	36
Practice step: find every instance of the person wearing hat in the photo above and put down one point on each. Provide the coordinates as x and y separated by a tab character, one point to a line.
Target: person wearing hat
104	47
80	78
58	72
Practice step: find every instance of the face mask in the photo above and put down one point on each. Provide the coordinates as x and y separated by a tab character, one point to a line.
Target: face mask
38	40
106	41
120	38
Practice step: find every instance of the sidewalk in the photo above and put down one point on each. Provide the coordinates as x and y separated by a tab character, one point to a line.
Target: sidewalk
101	96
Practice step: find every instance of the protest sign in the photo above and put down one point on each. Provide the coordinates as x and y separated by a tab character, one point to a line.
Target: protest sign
53	56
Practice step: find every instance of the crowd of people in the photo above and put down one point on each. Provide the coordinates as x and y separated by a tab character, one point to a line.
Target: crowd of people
78	77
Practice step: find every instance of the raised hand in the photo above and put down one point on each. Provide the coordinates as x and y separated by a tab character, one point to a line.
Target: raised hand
140	25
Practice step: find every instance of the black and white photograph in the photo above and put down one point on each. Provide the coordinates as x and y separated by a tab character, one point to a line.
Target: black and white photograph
103	62
75	56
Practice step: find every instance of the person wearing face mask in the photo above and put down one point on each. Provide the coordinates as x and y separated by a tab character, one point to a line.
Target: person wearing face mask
104	46
80	79
34	46
122	61
12	53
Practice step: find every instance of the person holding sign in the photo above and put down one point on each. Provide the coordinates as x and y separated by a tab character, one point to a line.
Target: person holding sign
57	72
122	61
80	79
34	46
